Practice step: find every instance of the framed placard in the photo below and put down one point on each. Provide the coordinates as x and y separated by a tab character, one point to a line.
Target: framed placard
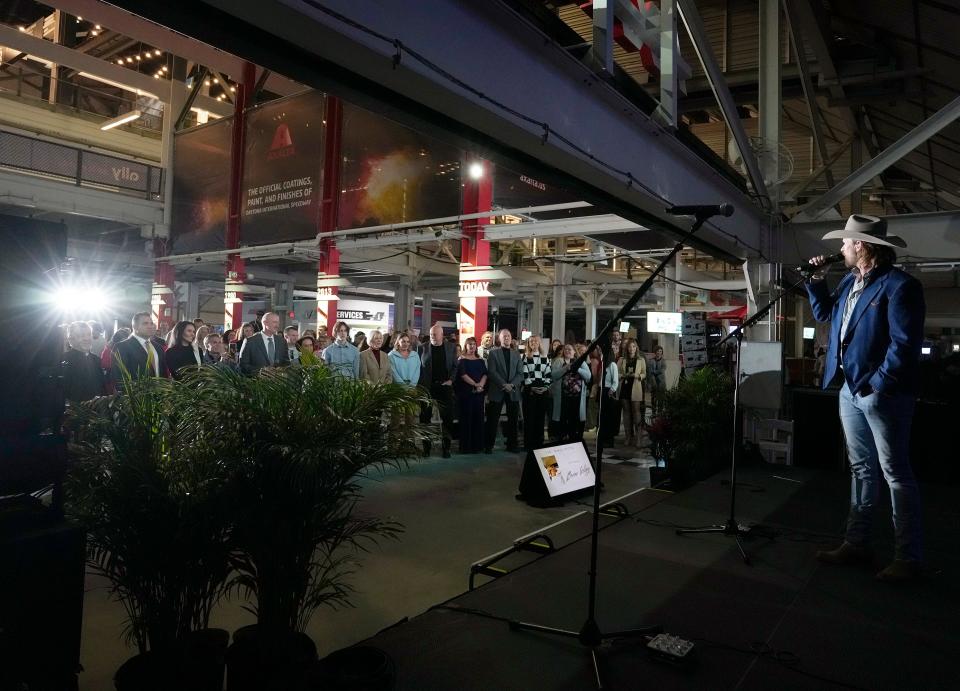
565	468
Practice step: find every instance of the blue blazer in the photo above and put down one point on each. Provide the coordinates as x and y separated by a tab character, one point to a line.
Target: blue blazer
882	348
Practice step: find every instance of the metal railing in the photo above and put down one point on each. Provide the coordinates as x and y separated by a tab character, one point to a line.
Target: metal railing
33	85
81	167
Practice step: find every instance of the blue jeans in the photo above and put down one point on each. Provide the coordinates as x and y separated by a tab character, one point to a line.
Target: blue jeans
877	430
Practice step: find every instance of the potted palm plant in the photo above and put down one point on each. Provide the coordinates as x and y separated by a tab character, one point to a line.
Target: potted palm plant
299	440
154	504
692	434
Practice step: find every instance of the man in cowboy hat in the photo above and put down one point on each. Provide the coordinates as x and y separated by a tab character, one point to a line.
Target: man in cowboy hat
876	315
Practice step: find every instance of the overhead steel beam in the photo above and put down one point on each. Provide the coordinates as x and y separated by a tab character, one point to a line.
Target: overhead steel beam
602	48
131	25
191	97
701	44
803	13
508	92
115	74
810	96
889	156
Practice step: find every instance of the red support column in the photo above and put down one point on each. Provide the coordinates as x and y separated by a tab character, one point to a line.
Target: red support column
162	298
235	271
475	250
328	268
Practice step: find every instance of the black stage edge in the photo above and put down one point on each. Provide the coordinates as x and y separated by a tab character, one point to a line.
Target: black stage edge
786	622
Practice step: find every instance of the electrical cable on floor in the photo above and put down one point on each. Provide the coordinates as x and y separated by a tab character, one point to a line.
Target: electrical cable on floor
786	658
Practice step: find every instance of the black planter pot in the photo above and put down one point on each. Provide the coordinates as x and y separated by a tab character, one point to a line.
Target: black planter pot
148	671
279	660
204	660
197	666
360	668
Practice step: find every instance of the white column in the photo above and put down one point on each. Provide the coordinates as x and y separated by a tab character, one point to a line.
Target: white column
283	302
590	307
191	299
403	303
770	93
560	273
536	313
671	303
426	311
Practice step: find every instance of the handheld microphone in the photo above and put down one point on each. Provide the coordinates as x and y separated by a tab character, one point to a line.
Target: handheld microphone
702	210
810	268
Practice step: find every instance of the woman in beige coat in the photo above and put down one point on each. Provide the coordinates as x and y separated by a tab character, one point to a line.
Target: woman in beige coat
374	365
633	370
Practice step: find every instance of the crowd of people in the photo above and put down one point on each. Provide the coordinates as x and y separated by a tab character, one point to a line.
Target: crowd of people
469	387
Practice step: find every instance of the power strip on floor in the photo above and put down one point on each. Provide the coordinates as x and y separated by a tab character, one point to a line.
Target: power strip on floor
672	649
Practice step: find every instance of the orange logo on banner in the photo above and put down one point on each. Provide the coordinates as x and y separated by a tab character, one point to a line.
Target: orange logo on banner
282	144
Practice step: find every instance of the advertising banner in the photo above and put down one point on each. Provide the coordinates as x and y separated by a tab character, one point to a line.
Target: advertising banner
201	185
392	174
282	184
360	315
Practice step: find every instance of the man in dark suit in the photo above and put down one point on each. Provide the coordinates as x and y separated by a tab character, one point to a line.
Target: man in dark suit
141	355
876	315
265	349
82	376
505	374
438	367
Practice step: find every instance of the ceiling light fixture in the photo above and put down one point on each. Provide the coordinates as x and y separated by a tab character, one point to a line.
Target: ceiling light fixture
121	120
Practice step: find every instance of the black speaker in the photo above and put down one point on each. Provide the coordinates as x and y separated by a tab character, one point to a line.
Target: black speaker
32	254
41	605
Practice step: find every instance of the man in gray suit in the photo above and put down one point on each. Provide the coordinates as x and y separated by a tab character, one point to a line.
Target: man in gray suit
438	367
505	374
265	349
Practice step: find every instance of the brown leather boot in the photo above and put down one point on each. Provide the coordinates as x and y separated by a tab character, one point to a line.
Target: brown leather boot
900	571
846	555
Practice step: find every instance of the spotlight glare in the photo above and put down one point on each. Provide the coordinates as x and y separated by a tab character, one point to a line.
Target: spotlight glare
475	171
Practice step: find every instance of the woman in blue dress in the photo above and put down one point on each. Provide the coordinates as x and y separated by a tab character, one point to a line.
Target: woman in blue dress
471	382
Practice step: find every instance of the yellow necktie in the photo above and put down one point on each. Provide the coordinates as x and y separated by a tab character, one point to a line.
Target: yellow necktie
150	366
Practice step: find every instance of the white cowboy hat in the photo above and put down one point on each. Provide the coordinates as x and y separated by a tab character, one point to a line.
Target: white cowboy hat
866	229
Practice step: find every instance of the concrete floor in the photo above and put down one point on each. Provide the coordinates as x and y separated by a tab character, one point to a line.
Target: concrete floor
455	512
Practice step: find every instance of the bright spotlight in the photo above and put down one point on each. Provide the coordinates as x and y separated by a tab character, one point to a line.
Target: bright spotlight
475	171
80	302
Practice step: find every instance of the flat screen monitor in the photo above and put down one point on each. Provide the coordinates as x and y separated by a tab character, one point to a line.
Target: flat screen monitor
665	322
809	333
624	327
565	468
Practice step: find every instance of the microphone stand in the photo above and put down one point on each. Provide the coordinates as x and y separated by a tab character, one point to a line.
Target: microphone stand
731	527
590	635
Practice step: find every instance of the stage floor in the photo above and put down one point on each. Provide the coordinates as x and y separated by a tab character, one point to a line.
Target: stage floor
784	622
